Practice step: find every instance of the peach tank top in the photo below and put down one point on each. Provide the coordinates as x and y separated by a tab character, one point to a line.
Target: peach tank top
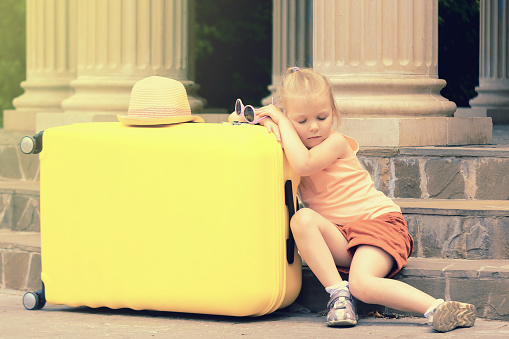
344	191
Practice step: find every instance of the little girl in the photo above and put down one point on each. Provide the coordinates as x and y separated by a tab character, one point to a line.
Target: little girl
348	225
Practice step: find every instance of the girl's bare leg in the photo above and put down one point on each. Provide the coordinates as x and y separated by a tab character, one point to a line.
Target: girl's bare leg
367	283
321	245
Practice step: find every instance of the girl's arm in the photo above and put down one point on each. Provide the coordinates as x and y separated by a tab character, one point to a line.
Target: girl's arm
307	161
268	123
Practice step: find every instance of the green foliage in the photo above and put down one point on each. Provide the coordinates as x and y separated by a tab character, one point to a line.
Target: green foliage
233	51
12	51
458	55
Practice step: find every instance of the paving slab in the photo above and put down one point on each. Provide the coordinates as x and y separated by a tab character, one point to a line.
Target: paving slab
55	321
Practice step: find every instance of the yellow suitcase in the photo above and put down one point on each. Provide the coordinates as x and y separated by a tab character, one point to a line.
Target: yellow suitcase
183	218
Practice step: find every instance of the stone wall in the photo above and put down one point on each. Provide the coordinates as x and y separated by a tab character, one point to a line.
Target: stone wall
459	237
20	267
401	174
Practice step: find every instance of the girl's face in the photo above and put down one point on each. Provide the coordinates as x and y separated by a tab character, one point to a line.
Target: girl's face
311	118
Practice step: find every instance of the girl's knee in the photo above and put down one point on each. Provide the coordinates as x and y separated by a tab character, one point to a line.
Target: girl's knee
303	220
361	287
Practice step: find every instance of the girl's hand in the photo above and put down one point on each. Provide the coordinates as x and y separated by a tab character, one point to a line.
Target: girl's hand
272	112
272	127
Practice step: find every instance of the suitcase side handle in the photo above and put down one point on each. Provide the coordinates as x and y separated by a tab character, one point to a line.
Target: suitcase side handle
31	145
290	242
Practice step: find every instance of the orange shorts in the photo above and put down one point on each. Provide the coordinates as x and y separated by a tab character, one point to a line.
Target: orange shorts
388	232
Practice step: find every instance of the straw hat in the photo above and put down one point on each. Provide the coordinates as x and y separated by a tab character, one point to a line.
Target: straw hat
158	101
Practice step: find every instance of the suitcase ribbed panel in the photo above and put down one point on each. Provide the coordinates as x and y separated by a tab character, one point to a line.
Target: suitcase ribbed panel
183	218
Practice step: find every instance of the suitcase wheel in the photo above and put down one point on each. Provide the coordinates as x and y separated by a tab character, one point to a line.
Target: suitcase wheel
34	300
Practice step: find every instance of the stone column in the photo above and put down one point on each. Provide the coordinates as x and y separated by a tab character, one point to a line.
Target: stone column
119	43
493	90
51	61
382	60
291	38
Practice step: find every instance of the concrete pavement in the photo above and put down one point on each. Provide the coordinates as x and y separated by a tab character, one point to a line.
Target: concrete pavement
66	322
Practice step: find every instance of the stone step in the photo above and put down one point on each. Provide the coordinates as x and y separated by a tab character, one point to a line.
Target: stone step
459	229
443	228
20	260
483	283
19	206
467	172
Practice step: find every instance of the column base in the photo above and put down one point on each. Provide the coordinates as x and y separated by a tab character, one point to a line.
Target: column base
499	115
424	131
112	95
44	121
390	96
15	120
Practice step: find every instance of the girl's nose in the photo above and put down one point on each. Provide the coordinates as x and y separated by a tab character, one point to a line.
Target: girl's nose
313	126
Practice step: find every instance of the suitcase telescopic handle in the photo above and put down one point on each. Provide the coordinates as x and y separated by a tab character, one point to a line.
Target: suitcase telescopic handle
31	145
290	205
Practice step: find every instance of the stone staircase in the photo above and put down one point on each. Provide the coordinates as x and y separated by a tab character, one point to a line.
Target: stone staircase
455	199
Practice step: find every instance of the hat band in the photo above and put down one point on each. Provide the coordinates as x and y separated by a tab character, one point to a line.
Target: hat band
158	112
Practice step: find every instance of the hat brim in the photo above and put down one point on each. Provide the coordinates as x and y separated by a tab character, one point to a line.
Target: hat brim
145	121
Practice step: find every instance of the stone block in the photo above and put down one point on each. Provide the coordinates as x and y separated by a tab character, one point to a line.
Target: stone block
29	165
25	216
46	120
379	170
34	273
9	164
16	268
5	211
312	296
492	179
434	287
1	269
469	131
407	182
489	296
423	131
487	237
413	229
441	236
417	131
371	131
16	120
29	220
444	178
493	271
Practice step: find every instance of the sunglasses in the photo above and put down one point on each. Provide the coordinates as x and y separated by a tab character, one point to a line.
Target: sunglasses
247	112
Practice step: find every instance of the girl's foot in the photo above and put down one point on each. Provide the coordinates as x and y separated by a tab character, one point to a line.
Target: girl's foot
452	314
342	309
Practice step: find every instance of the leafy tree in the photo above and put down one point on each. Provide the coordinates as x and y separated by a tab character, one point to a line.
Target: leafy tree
12	52
233	51
458	55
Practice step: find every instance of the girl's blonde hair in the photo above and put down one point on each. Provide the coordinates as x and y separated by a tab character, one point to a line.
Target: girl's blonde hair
304	82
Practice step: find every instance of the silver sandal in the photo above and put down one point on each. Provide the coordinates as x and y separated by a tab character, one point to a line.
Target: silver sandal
343	310
452	314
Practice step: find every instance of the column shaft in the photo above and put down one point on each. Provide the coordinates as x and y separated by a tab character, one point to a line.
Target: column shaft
493	90
381	56
291	38
121	42
50	61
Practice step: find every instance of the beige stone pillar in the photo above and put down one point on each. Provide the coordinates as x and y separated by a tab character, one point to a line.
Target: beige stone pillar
382	60
50	59
292	43
493	90
119	43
